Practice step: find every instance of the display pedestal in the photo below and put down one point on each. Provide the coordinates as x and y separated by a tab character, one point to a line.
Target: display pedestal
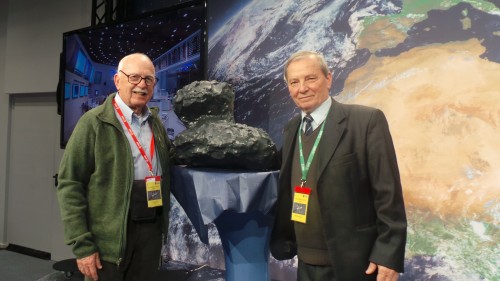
245	240
238	203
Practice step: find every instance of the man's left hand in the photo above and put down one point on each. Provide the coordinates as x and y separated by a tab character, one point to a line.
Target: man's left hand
384	273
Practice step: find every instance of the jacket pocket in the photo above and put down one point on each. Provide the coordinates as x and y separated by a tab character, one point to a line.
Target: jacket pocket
366	227
343	159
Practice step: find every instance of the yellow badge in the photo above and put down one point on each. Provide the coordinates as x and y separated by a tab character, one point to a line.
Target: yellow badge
300	203
153	189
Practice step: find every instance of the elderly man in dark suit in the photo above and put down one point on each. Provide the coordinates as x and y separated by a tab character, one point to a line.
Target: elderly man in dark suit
340	205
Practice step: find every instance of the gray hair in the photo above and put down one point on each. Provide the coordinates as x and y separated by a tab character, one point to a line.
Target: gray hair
303	54
125	58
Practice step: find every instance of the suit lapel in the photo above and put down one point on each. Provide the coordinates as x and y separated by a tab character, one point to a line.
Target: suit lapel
289	136
334	129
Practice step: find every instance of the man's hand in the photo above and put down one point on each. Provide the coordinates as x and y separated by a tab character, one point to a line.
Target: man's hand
88	265
384	273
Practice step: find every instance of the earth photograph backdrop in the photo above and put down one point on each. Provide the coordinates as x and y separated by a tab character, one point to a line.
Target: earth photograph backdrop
433	68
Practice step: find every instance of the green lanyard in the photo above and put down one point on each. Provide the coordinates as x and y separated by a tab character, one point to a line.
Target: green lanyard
305	166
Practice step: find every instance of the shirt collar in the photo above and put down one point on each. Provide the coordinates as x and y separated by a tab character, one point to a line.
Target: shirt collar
320	113
129	114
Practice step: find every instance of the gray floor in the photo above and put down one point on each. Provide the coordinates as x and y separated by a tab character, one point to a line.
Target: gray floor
19	267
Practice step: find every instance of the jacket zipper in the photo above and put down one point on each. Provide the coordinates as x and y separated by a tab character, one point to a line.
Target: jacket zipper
125	220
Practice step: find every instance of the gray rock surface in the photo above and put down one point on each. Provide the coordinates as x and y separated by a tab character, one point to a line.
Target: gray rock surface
204	101
212	138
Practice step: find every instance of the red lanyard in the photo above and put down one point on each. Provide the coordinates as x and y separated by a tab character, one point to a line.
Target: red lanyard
139	146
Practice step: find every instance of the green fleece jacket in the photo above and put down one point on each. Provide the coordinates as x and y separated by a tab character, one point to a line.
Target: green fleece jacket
95	180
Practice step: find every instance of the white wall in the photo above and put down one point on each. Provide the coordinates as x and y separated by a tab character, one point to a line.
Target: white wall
30	44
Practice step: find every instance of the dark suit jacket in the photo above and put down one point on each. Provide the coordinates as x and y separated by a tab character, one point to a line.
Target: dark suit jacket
359	191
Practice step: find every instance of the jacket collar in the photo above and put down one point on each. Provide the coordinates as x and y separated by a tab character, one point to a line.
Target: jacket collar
106	112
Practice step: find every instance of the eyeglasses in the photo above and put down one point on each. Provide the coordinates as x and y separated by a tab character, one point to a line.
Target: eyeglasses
136	79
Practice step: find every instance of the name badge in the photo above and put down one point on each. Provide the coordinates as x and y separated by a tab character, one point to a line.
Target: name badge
300	203
153	191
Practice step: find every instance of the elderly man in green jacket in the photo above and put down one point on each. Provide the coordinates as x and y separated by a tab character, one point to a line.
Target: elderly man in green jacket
114	181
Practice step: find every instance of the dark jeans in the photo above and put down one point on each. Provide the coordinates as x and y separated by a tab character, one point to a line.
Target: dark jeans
142	254
309	272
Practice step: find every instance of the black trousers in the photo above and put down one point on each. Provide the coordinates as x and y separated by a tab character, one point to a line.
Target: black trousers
142	254
309	272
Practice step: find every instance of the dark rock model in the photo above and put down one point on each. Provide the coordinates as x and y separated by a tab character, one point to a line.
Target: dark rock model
212	138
